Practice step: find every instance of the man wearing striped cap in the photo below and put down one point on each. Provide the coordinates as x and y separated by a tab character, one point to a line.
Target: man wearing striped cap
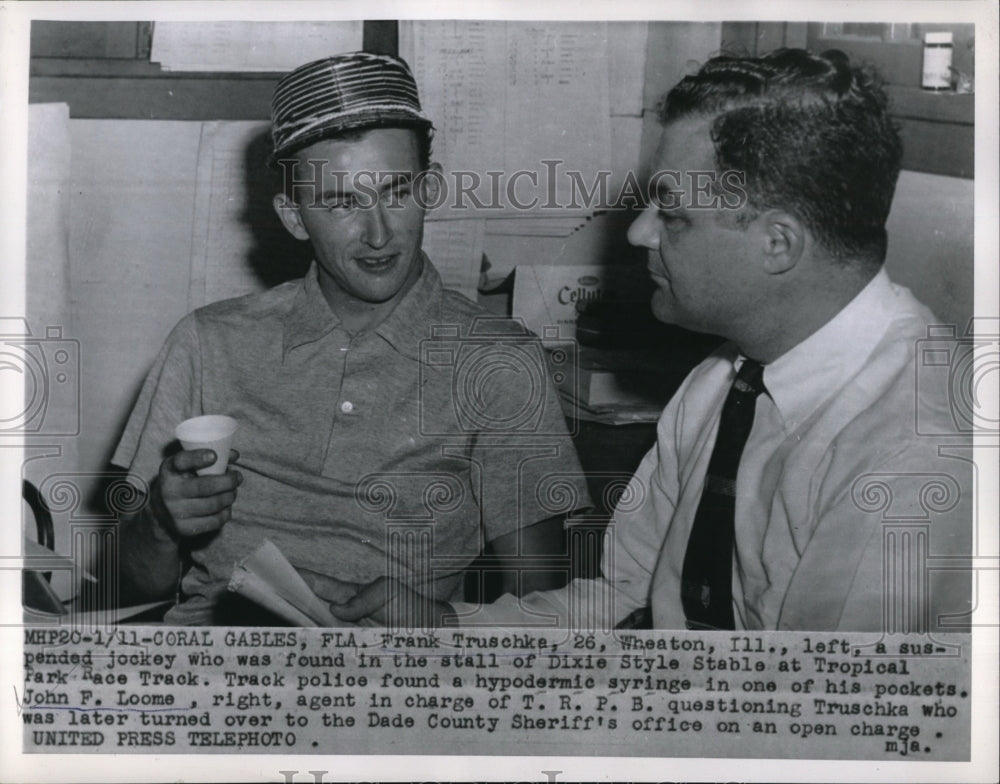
387	426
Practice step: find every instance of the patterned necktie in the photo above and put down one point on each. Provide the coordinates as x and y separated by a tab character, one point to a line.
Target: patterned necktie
707	575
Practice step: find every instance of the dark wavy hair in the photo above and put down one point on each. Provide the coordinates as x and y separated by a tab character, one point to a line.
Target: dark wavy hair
812	135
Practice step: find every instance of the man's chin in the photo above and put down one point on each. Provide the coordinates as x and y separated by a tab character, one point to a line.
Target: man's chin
378	297
379	290
662	310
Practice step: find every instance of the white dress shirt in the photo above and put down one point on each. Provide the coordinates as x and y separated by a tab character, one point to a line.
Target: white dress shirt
834	457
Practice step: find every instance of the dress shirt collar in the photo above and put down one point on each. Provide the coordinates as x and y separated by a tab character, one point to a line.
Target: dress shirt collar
310	317
807	375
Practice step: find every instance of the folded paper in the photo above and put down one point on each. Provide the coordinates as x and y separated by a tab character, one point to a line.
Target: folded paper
267	578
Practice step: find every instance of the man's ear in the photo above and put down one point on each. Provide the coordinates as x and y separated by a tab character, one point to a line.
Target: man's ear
430	185
784	241
288	212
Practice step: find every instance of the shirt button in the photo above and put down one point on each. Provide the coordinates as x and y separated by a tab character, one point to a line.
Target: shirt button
347	406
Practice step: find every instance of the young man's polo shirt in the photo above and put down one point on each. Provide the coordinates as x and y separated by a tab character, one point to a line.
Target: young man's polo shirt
395	451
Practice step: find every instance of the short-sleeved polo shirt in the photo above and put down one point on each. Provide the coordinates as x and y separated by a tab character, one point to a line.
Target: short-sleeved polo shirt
396	451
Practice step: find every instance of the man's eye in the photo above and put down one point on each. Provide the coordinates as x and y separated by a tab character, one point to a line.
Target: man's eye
671	218
666	200
340	205
400	193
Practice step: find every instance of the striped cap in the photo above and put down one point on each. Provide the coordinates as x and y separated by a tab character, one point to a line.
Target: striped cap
345	92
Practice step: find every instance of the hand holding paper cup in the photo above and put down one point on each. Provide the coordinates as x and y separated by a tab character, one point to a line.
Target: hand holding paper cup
213	431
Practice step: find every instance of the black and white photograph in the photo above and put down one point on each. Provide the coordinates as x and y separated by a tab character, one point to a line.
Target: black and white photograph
511	394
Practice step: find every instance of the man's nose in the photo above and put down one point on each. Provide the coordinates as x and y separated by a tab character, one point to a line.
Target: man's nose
377	232
645	230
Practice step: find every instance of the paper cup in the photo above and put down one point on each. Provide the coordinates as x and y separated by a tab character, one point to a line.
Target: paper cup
214	432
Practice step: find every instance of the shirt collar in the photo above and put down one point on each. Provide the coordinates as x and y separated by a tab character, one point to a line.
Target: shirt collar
407	325
310	317
807	375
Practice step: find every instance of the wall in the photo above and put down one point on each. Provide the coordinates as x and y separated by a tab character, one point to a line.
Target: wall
931	243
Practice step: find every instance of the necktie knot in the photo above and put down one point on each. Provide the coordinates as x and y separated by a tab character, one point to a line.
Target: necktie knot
750	377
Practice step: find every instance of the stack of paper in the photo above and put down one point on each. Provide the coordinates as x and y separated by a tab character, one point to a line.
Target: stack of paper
607	378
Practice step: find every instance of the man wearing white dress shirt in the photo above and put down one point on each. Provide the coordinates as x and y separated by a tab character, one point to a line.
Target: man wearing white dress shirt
788	461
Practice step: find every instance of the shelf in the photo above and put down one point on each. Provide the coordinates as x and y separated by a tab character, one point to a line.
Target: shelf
914	103
82	68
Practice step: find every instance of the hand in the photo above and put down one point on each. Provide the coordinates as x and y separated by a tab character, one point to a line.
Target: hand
186	504
330	589
393	604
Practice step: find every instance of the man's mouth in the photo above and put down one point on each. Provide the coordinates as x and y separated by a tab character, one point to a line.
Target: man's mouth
656	272
377	263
